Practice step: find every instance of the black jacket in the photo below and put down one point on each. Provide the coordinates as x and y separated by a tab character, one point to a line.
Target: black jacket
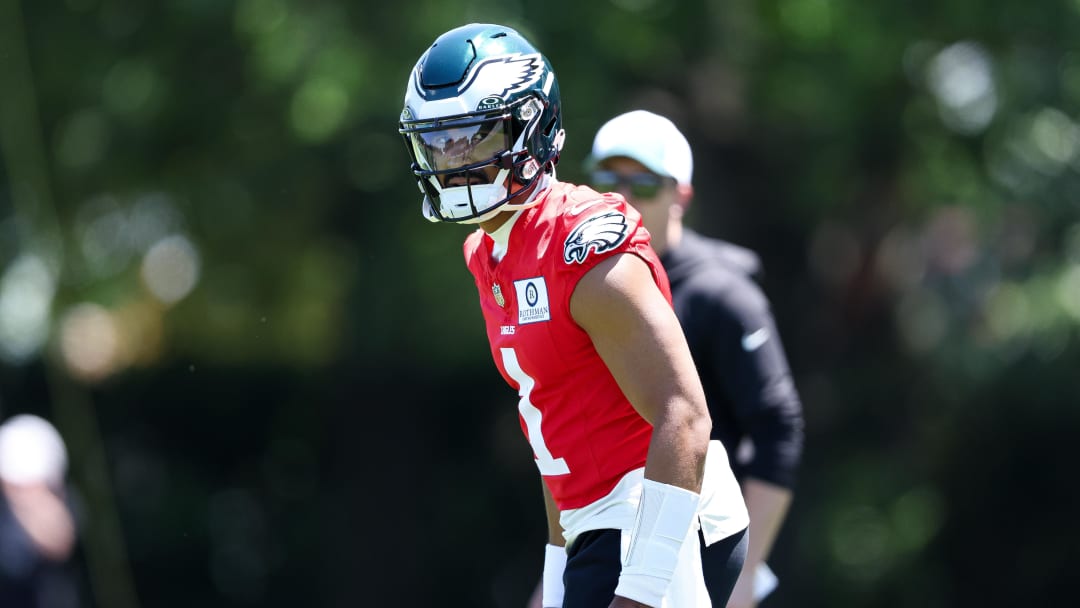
755	408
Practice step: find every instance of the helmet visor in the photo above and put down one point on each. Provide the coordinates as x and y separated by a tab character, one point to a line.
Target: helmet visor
446	147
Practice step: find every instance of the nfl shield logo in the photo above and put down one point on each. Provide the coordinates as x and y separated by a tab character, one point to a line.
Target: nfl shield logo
497	292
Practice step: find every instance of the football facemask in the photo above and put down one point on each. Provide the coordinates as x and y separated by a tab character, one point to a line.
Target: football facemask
454	157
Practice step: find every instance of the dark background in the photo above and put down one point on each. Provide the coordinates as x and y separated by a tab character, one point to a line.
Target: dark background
272	375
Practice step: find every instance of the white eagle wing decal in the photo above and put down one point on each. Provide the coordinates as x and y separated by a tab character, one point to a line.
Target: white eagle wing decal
601	232
505	74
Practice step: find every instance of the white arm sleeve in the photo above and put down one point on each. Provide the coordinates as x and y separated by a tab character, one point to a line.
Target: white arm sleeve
554	564
664	517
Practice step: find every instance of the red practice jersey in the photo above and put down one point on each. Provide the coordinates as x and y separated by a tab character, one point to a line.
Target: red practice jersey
584	432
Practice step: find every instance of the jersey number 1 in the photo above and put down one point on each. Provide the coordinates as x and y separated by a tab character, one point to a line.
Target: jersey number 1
544	461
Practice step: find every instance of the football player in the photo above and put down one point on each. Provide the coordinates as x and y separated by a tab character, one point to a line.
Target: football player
579	317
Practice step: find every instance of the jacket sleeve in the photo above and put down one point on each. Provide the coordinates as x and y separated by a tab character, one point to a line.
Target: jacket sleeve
748	361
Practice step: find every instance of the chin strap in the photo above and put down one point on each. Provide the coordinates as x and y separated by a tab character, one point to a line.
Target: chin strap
541	184
428	210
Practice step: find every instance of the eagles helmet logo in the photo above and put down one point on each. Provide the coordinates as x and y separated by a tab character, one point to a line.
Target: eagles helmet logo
500	76
599	233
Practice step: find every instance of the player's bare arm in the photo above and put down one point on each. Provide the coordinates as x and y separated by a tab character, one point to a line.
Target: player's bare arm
636	333
555	531
550	585
638	336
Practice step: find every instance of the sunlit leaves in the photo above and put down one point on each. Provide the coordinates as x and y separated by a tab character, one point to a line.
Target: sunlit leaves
27	288
960	76
809	20
318	109
83	139
130	87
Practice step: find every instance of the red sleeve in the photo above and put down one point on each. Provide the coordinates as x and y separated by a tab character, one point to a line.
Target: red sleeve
592	227
470	249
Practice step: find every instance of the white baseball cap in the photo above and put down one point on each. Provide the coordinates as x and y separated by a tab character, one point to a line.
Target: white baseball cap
31	451
648	138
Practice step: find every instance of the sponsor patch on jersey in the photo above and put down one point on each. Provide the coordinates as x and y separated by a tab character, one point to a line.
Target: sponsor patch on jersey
532	301
601	232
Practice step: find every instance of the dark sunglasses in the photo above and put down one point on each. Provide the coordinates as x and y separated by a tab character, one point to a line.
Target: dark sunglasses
640	185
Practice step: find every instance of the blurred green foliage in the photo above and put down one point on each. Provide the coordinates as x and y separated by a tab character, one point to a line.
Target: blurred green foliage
295	400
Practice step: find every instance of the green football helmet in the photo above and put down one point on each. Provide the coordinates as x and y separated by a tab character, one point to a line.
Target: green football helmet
481	96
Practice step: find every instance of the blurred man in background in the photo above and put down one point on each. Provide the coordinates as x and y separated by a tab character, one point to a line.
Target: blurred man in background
733	338
37	530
